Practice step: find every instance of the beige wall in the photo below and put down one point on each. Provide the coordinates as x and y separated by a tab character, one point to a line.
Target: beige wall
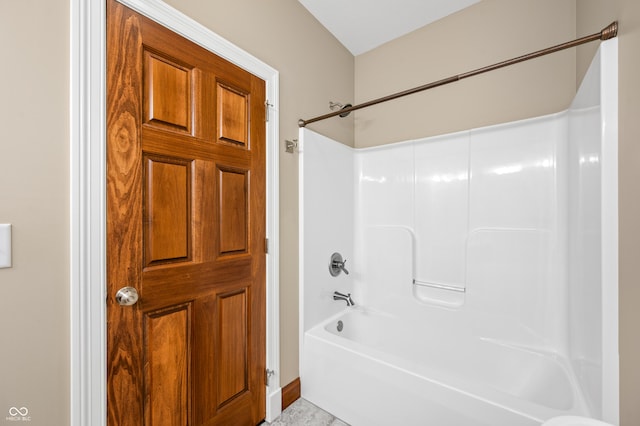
34	197
485	33
595	14
314	69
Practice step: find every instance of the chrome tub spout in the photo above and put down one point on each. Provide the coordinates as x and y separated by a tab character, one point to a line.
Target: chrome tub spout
346	297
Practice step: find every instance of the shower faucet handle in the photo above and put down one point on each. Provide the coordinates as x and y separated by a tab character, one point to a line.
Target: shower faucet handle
336	265
341	266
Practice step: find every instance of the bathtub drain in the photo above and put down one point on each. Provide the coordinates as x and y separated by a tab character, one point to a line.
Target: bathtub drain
340	326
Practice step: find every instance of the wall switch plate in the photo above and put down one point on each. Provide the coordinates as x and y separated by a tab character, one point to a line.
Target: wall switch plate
5	245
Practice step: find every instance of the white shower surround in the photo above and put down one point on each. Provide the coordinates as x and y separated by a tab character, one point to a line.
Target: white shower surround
484	270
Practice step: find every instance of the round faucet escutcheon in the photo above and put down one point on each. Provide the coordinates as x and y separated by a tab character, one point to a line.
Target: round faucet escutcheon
336	265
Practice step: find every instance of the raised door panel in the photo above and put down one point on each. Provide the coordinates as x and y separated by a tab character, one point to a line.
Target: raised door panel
167	210
167	359
232	344
233	189
233	117
168	93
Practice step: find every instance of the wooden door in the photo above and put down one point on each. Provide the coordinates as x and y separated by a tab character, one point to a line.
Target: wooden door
186	228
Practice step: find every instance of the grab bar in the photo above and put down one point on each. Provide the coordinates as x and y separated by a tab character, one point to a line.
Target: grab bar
440	286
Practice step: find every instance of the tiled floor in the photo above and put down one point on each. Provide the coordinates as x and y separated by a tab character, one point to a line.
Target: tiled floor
304	413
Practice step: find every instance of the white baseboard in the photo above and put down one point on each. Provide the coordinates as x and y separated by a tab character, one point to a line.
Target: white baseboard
274	405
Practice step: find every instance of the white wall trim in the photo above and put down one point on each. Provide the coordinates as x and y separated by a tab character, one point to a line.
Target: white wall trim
88	379
87	214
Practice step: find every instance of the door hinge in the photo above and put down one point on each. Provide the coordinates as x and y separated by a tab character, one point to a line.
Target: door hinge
268	373
266	109
266	245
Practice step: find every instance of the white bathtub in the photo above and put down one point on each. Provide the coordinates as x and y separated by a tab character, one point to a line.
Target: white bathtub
380	370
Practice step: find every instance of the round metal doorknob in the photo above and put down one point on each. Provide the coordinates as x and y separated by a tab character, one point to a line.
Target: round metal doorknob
127	296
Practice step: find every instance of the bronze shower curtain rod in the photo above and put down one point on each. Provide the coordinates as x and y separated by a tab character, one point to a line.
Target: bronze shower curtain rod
609	32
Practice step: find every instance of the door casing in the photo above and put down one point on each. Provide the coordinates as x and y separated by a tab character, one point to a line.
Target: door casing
87	83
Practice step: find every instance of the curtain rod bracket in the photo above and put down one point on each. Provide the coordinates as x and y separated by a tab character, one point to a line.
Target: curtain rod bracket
610	31
290	146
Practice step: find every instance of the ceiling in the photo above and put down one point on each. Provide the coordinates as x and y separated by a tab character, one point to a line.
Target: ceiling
362	25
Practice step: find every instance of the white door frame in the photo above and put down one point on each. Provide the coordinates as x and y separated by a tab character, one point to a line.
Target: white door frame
87	101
